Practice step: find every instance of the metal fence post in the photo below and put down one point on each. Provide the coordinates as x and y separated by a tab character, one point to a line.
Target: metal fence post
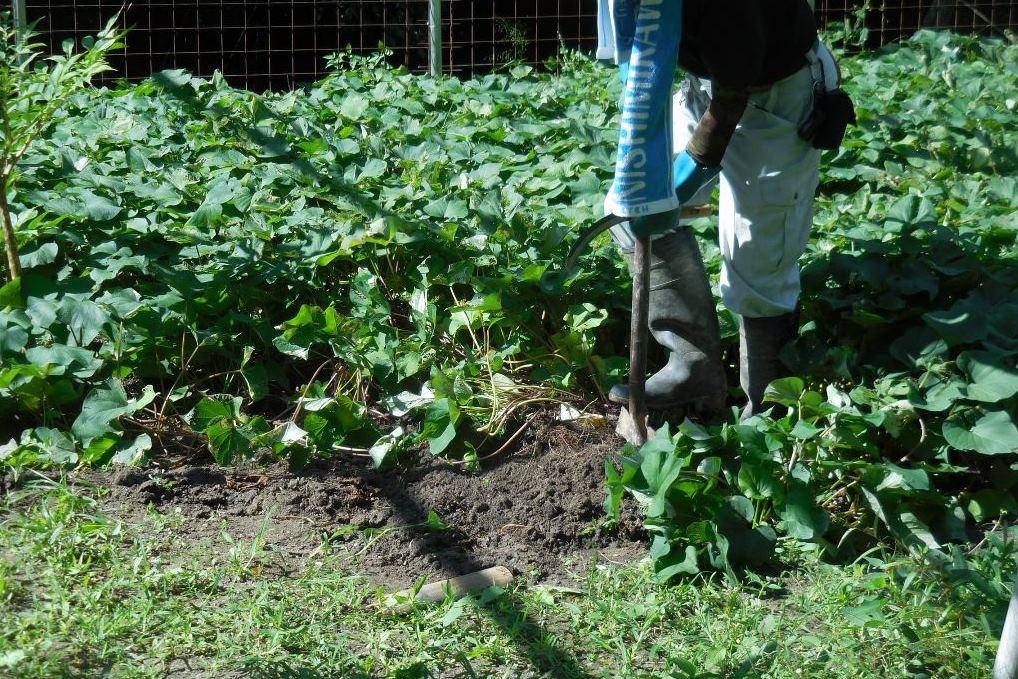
19	14
435	37
1006	666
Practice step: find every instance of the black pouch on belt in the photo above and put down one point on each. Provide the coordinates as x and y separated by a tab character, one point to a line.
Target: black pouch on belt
833	111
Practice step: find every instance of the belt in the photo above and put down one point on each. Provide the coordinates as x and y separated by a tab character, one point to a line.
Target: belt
820	62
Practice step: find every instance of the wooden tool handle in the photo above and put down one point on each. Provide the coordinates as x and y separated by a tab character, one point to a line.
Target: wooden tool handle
638	338
697	211
463	585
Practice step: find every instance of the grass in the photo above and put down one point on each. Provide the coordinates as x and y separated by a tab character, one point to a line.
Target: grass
83	594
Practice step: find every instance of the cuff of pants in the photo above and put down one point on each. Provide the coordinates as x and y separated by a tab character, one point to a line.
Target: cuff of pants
775	295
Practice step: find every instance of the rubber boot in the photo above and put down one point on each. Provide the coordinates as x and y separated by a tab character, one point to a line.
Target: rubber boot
684	320
760	343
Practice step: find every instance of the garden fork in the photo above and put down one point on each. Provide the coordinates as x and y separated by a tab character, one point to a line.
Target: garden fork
633	422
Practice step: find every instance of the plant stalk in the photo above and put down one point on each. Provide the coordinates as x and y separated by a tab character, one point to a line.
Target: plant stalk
10	244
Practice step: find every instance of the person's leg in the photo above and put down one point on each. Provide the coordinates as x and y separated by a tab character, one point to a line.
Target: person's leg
766	212
682	315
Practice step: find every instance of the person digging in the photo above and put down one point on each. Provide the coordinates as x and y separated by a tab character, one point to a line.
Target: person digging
760	99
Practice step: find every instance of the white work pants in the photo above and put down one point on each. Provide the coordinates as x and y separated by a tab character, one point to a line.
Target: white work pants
768	182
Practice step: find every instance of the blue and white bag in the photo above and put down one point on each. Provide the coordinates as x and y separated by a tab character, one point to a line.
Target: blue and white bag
645	37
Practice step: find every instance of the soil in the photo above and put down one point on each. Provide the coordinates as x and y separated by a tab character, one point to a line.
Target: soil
537	510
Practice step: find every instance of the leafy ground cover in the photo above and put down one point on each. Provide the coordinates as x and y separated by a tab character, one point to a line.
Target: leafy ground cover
93	595
261	270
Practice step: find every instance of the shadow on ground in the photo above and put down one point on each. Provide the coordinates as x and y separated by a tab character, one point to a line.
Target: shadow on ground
532	510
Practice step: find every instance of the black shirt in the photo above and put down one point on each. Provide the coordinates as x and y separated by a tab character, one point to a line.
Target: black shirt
746	43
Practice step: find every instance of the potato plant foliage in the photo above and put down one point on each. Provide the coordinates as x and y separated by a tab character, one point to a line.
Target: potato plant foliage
358	266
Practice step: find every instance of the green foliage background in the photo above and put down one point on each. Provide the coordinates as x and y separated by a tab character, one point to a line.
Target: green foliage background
358	266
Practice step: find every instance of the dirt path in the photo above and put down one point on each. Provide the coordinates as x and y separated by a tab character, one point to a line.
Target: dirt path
537	510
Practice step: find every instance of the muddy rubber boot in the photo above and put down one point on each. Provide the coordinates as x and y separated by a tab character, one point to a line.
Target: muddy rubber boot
760	343
684	320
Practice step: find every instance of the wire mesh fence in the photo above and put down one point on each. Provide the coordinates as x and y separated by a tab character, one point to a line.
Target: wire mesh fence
890	20
255	43
485	35
280	44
